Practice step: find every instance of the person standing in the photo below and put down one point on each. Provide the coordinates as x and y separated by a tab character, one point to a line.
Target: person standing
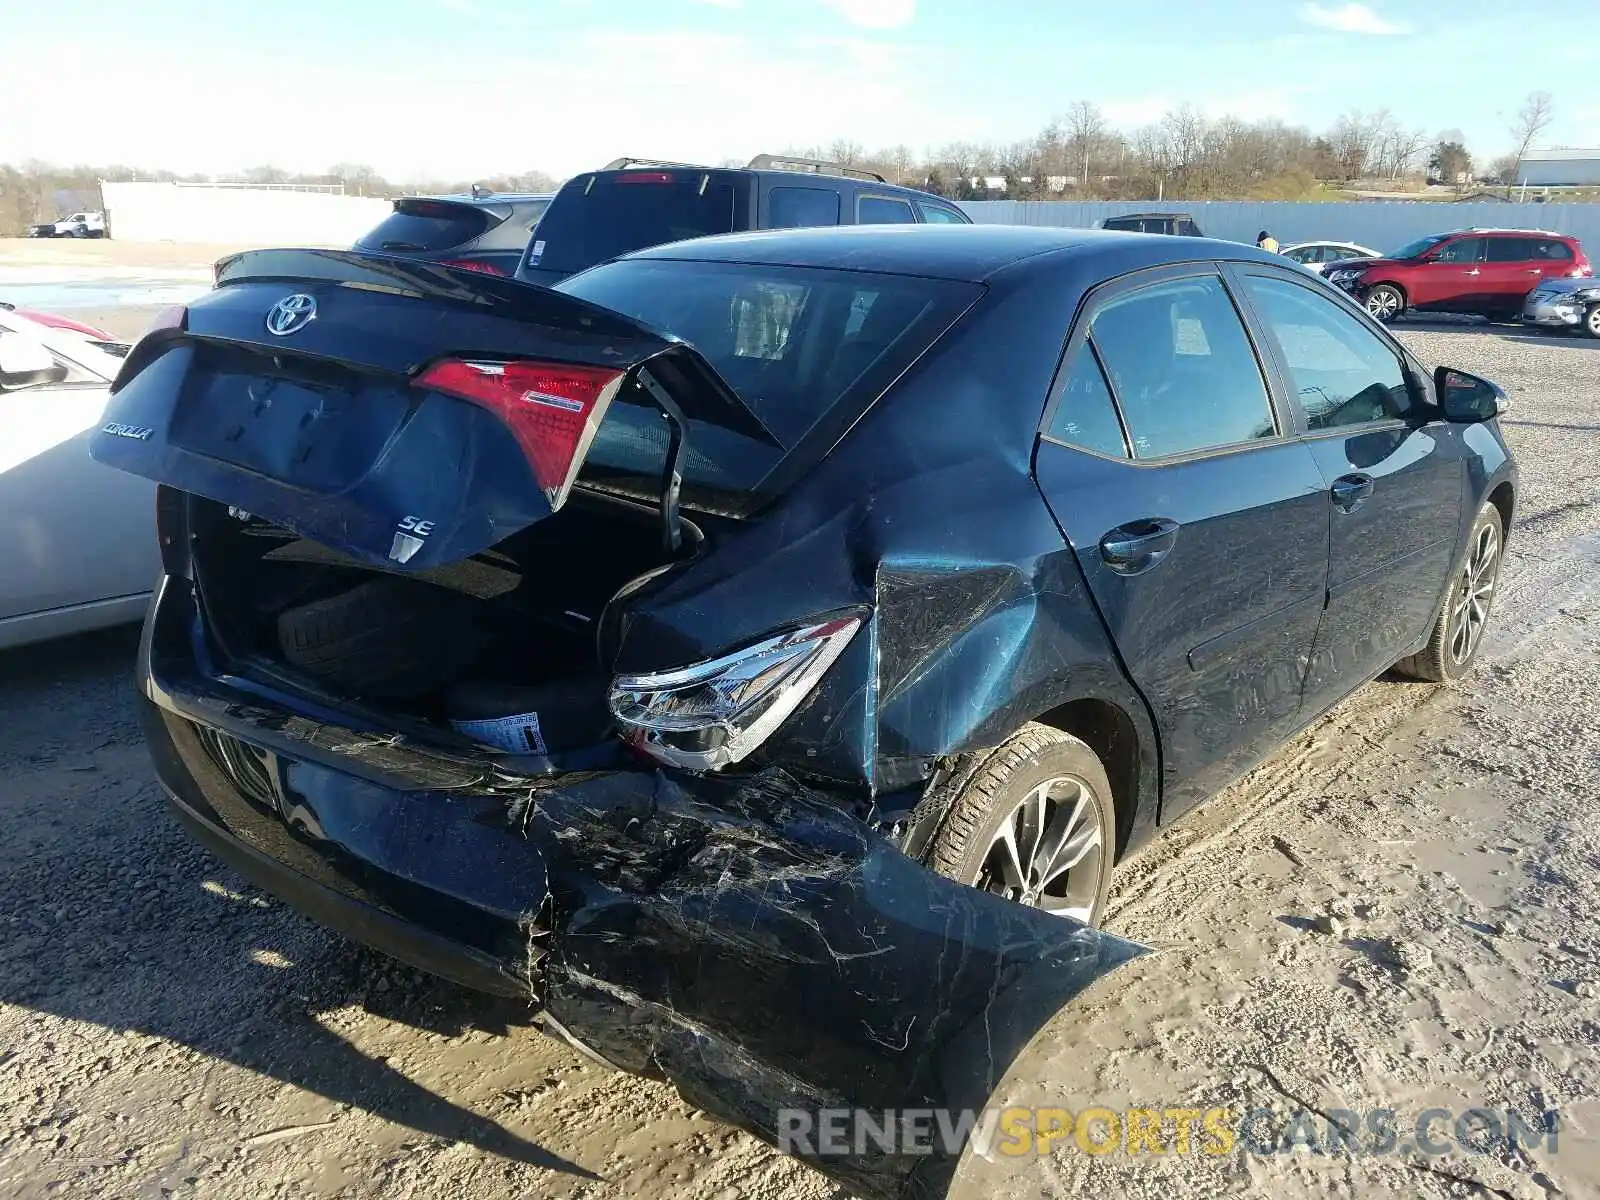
1267	242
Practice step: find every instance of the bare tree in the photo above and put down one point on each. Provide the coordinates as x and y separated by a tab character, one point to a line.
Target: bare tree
1533	118
1085	131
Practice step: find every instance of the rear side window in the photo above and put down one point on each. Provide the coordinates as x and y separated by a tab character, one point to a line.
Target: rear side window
423	226
934	214
1188	228
1085	413
514	231
880	210
1183	369
1549	248
596	218
796	343
801	207
1511	249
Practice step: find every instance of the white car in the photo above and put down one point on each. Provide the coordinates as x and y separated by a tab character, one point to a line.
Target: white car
82	224
77	540
1313	256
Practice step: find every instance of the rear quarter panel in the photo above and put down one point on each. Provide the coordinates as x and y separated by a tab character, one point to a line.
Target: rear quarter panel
926	512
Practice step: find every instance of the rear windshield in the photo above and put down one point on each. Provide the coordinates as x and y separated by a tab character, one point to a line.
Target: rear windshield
806	349
597	218
425	226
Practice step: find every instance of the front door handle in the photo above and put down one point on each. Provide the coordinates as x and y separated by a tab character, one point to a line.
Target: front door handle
1134	548
1349	491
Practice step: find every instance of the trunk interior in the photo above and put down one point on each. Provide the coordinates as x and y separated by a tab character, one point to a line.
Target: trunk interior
511	647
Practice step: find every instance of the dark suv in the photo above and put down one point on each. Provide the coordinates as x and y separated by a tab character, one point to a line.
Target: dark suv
1487	272
631	204
1172	224
478	232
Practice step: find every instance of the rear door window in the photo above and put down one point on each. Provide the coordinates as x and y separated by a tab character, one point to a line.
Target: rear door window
596	218
1512	249
423	226
881	210
1182	367
801	207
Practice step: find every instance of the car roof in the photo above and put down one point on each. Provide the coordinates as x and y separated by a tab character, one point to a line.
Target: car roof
830	181
487	198
1149	215
972	253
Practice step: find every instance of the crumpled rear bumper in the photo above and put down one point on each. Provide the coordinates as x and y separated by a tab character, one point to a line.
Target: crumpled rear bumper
746	938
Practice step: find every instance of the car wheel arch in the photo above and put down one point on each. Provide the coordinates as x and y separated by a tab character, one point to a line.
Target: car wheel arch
1121	735
1504	497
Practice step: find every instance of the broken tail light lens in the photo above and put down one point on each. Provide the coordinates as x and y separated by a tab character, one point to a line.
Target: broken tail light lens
552	409
706	716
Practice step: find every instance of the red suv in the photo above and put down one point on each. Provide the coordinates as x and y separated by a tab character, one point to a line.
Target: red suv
1483	271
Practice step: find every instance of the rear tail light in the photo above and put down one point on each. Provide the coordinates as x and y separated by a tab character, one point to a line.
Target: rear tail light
473	264
709	715
552	409
645	177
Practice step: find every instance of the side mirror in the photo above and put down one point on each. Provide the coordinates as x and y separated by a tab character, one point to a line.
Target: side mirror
1467	398
25	363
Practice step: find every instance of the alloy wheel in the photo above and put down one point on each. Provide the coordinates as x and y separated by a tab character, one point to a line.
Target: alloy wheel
1383	304
1049	851
1592	321
1469	611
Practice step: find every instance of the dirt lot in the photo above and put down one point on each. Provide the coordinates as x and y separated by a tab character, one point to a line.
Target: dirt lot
1395	912
91	253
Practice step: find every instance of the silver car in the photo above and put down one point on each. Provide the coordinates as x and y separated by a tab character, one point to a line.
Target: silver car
77	540
1565	304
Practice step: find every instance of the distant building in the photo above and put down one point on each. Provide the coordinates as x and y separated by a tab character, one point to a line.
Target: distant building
1560	168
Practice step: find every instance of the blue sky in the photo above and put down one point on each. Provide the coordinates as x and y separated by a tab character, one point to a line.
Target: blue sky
466	88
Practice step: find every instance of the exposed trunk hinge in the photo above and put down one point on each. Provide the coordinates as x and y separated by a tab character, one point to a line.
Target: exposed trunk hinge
671	475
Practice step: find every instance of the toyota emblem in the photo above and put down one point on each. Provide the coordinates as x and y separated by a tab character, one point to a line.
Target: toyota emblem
291	314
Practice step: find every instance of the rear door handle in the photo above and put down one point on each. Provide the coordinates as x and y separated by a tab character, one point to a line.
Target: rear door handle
1349	491
1134	548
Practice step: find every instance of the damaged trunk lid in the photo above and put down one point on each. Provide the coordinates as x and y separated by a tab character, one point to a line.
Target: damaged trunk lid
402	413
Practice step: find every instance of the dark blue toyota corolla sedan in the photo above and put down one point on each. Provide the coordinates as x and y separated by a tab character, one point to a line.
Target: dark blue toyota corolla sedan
759	650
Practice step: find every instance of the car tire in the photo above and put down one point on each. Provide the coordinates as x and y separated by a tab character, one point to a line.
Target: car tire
1384	303
1457	634
389	638
1591	321
1036	799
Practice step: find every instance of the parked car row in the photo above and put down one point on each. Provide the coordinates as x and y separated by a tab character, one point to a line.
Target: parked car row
1541	278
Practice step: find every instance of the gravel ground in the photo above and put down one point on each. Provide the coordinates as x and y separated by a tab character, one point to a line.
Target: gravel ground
1393	912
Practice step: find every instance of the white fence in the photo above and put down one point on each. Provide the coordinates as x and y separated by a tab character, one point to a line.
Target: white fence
177	212
1381	225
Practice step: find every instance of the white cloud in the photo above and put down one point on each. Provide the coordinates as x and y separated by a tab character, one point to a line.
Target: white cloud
1349	18
875	14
